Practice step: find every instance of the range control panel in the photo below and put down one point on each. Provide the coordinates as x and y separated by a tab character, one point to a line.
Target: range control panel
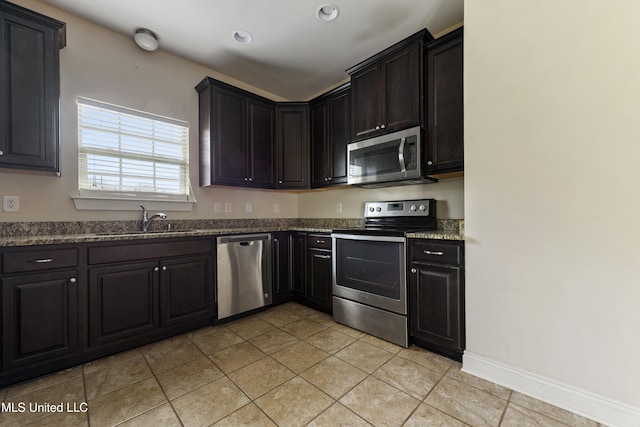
403	208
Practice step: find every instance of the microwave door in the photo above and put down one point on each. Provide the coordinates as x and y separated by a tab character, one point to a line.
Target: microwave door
371	163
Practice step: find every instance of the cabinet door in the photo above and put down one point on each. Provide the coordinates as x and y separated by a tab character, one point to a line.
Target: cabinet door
366	95
319	278
293	146
339	136
123	301
320	167
186	289
228	137
298	264
436	305
281	267
261	144
402	89
445	134
29	92
39	317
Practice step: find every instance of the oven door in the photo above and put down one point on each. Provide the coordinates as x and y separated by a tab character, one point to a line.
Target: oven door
370	270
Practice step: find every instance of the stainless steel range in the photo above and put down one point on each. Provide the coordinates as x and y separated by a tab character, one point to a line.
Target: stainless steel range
369	268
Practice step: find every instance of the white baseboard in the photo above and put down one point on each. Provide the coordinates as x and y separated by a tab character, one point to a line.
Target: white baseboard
586	404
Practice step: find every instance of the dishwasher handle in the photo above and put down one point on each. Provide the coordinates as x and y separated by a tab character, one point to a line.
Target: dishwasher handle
243	239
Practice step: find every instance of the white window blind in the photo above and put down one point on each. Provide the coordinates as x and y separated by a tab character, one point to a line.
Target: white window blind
131	152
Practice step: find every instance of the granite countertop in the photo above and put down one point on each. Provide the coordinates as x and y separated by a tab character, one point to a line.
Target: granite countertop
51	233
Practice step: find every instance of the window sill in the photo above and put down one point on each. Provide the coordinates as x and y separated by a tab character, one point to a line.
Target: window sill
115	203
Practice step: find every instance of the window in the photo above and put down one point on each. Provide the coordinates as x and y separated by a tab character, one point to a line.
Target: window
123	153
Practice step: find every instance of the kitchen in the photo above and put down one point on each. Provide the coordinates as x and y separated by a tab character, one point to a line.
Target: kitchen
498	198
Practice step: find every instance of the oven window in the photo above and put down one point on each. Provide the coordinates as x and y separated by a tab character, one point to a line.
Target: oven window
370	266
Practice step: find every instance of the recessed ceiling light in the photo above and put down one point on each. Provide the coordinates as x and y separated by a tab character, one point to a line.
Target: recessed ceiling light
146	39
328	12
242	36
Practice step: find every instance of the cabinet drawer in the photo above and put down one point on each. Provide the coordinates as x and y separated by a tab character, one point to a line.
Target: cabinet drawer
38	259
319	241
140	251
435	251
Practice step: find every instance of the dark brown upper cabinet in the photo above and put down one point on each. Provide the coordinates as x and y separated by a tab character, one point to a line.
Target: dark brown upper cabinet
293	145
444	104
29	89
387	91
330	134
237	136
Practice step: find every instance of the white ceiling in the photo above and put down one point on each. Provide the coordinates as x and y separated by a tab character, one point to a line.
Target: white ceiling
294	54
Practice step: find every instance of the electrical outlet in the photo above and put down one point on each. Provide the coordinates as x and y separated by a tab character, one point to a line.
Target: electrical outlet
339	207
248	208
227	207
11	203
276	208
217	208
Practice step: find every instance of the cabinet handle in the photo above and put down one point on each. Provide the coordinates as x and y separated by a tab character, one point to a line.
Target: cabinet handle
156	269
72	280
439	253
413	270
41	261
164	268
321	241
382	126
322	256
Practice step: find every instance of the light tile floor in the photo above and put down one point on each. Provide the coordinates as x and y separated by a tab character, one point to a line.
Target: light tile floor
288	366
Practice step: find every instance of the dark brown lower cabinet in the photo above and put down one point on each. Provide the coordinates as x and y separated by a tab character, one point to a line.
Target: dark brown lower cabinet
319	278
298	265
39	318
186	290
122	302
436	296
133	302
281	267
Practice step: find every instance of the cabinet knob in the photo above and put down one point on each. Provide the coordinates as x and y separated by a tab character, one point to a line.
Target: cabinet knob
250	179
377	127
156	269
329	179
280	182
1	153
72	280
429	162
382	126
413	270
164	268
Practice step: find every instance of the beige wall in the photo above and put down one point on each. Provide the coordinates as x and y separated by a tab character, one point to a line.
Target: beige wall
323	204
103	65
552	191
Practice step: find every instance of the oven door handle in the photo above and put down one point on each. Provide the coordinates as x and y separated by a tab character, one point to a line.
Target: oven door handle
403	165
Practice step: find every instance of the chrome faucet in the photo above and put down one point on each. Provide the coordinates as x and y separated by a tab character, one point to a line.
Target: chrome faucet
146	221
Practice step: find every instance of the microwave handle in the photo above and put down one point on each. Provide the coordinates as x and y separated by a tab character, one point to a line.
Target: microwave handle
403	166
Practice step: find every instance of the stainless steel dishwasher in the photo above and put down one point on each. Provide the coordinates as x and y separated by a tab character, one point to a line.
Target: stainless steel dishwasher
243	273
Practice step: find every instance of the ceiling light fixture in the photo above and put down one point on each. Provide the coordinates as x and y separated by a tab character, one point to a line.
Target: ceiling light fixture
242	36
146	39
328	12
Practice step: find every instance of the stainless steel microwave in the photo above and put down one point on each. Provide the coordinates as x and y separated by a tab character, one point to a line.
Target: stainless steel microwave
386	160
